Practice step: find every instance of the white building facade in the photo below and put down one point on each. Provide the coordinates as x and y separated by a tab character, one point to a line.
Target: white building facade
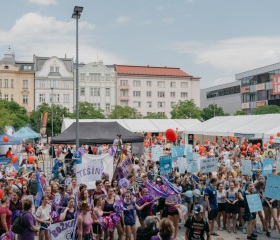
155	89
226	96
97	85
54	81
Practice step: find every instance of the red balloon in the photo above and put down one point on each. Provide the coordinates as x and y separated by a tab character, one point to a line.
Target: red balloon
251	150
30	159
14	159
170	135
243	152
255	146
230	138
146	144
235	139
6	139
243	147
13	174
150	155
214	143
202	154
1	193
270	142
182	141
258	144
271	137
194	137
265	144
278	134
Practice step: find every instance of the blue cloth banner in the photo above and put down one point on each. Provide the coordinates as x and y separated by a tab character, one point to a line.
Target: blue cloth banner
188	148
40	190
165	164
254	202
278	162
272	187
267	166
192	159
177	151
157	151
246	167
208	165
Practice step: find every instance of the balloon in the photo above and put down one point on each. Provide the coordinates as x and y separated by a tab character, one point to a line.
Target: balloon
243	152
14	159
30	159
270	142
208	153
146	144
278	134
235	139
176	135
258	144
196	192
271	137
243	147
207	141
185	208
182	141
170	135
6	139
194	137
150	155
13	174
251	150
1	193
214	143
255	146
189	193
202	154
265	144
230	138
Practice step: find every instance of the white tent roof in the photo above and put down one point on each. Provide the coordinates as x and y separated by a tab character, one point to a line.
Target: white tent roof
255	126
142	125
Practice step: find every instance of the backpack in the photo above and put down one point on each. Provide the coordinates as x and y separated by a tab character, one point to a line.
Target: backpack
18	226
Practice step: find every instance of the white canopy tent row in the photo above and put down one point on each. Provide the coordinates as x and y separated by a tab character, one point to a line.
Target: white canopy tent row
143	125
249	126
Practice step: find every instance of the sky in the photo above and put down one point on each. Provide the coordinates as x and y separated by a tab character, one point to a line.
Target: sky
210	39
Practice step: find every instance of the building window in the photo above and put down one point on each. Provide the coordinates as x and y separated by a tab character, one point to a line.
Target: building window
25	99
184	84
108	92
42	84
136	94
136	83
25	84
108	77
51	69
124	82
6	97
12	97
0	83
161	84
66	98
96	92
96	105
42	98
149	93
149	83
172	84
27	67
56	69
172	94
91	91
184	94
54	84
82	91
12	83
107	108
66	84
161	104
136	104
6	67
82	76
149	104
124	103
96	77
6	83
124	93
172	104
161	94
55	98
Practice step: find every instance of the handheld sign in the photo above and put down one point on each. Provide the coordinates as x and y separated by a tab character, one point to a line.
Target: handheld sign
267	166
177	151
208	165
165	163
272	187
246	167
254	202
62	230
157	151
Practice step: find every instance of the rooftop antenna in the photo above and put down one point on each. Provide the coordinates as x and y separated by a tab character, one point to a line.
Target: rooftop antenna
9	48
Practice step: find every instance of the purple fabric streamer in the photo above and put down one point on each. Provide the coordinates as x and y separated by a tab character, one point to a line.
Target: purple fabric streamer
157	192
171	186
81	151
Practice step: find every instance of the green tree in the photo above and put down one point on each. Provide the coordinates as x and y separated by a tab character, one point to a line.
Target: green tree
126	112
212	111
185	109
239	112
268	109
12	114
156	116
59	113
87	111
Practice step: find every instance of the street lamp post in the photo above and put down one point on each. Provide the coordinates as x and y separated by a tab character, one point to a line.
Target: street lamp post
77	14
52	111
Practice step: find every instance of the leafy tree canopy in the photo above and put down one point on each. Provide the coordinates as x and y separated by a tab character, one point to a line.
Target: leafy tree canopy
126	112
12	114
269	109
211	111
185	109
87	111
156	116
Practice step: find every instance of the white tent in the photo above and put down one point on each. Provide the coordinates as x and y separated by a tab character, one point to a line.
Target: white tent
142	125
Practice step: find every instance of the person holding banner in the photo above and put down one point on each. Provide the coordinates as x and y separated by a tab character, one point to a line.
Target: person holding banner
84	222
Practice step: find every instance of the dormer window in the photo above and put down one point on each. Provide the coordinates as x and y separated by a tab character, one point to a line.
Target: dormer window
6	67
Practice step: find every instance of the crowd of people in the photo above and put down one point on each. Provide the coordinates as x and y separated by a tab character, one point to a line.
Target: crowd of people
205	204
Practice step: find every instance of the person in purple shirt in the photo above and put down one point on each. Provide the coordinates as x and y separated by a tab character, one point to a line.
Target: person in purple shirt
29	222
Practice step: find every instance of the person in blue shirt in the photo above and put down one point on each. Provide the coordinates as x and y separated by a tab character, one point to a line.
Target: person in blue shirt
58	170
256	167
210	193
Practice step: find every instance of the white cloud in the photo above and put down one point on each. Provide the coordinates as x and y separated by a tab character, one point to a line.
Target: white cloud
233	55
169	20
123	20
43	2
46	36
161	8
